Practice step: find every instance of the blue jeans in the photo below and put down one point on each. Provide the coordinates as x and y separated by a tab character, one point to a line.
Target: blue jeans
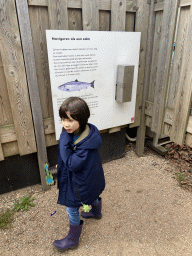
73	214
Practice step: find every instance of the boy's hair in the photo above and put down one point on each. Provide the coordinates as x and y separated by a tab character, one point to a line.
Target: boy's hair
78	110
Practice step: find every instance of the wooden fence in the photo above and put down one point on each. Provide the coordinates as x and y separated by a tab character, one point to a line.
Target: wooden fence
26	112
168	83
164	83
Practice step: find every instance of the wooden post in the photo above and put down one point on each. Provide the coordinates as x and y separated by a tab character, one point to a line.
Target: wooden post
141	129
27	44
142	23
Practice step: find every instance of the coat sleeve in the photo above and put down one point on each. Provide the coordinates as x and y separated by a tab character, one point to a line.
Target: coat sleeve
75	159
60	168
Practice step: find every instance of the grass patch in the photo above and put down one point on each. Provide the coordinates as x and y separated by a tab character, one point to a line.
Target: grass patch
181	177
24	204
6	218
7	215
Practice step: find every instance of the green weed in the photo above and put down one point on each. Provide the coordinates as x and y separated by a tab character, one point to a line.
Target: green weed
7	215
181	179
24	203
6	218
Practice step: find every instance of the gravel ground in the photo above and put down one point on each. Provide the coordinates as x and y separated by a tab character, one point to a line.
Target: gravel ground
145	212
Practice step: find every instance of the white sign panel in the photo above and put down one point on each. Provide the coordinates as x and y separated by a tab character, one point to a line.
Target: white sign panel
84	64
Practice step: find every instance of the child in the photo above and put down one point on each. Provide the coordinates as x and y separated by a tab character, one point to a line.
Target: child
80	174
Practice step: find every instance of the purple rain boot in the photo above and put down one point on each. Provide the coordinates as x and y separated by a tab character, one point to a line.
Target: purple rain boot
71	240
95	212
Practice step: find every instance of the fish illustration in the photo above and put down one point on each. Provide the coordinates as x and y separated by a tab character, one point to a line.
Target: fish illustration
75	86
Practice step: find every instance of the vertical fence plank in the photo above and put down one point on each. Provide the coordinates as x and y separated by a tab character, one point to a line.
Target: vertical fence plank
146	76
129	22
178	58
164	61
104	21
39	23
26	38
5	106
58	16
75	19
142	21
118	13
90	12
12	59
183	99
156	45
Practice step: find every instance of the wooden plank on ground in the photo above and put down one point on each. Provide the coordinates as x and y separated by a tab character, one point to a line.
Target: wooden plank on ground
90	15
145	75
118	12
183	99
178	57
12	58
26	38
39	23
164	61
142	21
58	16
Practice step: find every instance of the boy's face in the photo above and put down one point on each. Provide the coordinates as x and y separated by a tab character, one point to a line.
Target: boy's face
70	124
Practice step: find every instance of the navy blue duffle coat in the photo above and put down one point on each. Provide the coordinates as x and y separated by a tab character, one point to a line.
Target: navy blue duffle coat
80	168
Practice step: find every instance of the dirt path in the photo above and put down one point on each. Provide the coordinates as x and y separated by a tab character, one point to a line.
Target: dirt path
145	213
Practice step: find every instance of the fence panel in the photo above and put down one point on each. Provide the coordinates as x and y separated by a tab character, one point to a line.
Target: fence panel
175	112
165	52
184	90
16	126
14	89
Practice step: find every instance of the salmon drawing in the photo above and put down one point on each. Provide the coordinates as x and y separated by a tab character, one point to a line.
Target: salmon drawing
75	86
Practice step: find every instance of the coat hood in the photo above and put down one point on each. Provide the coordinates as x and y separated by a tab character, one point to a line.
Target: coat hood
92	140
89	139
